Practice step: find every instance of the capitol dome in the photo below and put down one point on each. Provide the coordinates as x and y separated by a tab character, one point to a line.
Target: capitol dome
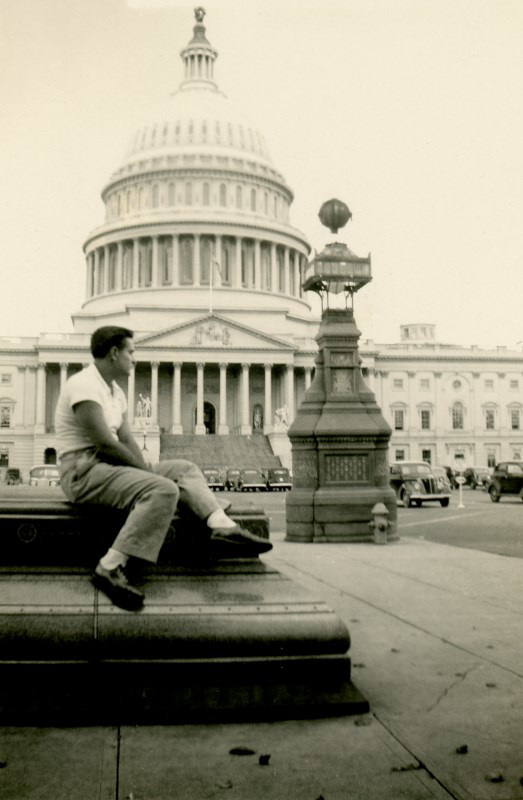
196	205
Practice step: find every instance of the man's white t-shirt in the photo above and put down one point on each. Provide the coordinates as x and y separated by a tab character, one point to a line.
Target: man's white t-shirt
86	385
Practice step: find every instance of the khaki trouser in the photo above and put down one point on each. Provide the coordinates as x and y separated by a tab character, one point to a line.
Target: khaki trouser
151	498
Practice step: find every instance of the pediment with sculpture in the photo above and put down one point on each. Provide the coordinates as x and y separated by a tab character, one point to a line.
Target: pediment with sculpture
212	331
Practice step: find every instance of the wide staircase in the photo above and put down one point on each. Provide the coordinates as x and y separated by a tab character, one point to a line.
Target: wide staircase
222	452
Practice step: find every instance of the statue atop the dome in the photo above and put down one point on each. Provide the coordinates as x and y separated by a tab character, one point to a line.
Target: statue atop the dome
199	13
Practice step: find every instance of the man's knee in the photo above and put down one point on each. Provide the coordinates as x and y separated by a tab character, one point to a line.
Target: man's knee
164	489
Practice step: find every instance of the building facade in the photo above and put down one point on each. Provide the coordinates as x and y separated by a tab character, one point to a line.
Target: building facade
198	256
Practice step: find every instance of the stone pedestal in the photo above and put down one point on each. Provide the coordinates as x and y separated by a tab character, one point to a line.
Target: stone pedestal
339	444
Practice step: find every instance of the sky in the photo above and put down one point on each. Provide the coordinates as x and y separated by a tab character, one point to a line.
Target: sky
410	111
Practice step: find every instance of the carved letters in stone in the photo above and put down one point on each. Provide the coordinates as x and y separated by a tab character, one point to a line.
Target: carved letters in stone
342	469
342	381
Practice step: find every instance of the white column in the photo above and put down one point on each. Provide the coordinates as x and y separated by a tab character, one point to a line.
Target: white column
274	269
237	268
154	393
156	278
40	397
286	268
130	396
63	374
176	398
106	268
267	411
289	391
119	266
223	428
200	427
308	371
196	276
136	264
245	424
257	264
175	260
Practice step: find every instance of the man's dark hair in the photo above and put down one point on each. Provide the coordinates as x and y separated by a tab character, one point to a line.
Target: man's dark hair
109	336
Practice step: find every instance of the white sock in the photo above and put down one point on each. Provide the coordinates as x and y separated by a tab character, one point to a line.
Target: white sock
113	559
219	519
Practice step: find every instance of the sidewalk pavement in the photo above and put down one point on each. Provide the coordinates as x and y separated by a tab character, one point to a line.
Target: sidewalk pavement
437	649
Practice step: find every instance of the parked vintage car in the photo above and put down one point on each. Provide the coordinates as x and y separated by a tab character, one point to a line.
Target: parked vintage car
231	479
44	475
278	480
507	478
477	476
214	479
440	473
414	483
13	477
251	480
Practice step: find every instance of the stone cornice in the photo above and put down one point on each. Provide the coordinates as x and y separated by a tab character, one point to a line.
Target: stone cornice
470	358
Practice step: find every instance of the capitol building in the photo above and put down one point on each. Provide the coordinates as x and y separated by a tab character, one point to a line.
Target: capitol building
198	256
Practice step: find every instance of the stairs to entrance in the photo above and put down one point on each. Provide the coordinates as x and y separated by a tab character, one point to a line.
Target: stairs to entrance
221	452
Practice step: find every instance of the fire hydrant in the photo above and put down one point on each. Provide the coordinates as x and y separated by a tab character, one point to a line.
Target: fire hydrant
380	524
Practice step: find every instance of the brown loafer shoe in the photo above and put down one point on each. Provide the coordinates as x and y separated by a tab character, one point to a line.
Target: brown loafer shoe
237	543
115	584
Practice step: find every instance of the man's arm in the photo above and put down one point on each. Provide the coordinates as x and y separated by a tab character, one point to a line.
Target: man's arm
126	438
90	416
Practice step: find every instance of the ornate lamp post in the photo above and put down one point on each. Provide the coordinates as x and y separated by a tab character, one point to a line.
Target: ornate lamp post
339	436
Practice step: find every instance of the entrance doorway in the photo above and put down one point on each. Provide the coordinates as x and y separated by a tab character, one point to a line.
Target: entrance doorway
209	417
50	455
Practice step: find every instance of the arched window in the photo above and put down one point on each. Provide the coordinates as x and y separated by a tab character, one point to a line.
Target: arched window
223	194
188	194
145	262
191	131
239	197
217	133
280	260
266	277
127	265
186	259
140	197
206	194
112	268
204	132
101	272
165	259
247	263
206	253
227	259
128	201
458	417
119	205
170	194
253	199
265	203
155	195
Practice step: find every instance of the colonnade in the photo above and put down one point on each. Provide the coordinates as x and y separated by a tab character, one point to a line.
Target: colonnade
182	259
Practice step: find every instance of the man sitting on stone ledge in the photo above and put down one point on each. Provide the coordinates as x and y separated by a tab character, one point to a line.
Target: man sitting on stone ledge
101	464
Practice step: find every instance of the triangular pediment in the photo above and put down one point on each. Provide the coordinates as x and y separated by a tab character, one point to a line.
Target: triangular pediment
209	332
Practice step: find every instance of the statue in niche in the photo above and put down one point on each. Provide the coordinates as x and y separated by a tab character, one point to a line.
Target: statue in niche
257	418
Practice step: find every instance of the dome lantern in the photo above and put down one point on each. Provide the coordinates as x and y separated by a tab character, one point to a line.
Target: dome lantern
199	57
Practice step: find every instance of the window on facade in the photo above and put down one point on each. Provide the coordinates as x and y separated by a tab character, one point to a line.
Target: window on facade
514	384
239	197
171	198
424	384
127	265
145	262
491	458
227	259
5	416
128	201
266	278
397	383
426	455
516	455
6	379
457	417
165	258
456	385
515	419
119	205
206	254
399	455
253	199
425	419
399	419
217	132
489	384
247	266
155	196
186	259
292	274
489	419
4	457
112	268
223	195
140	197
206	194
265	203
188	194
